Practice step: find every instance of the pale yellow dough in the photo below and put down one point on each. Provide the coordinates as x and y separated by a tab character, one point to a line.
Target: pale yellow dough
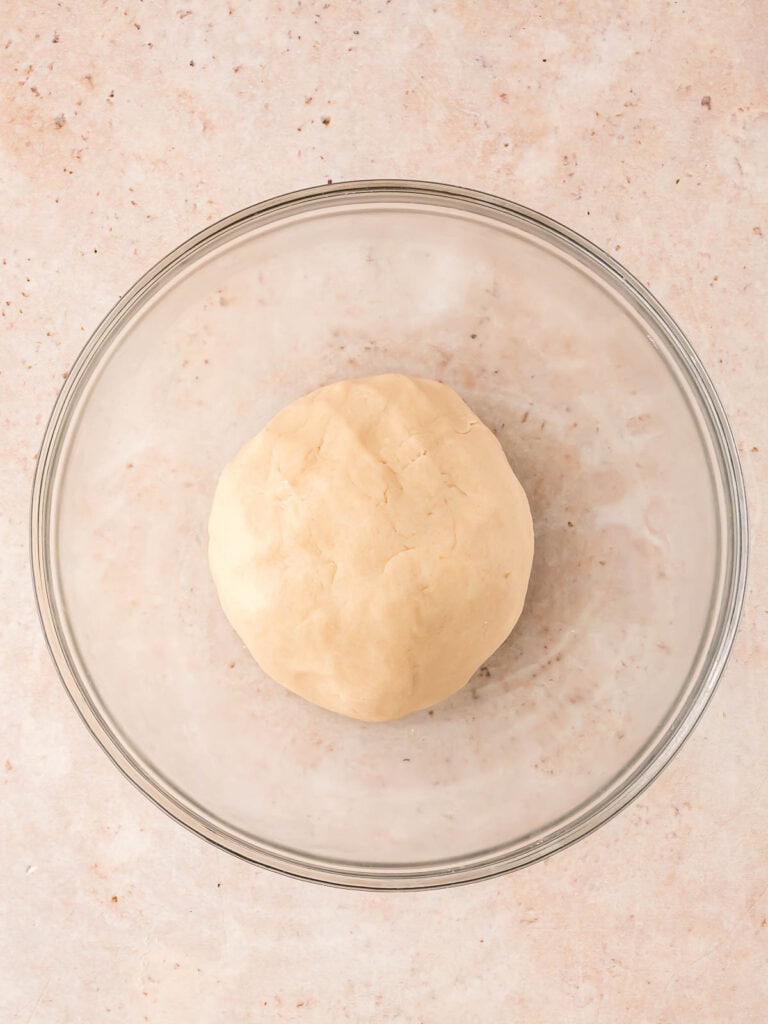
372	546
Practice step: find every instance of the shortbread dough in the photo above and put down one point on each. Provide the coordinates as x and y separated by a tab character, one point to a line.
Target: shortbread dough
372	546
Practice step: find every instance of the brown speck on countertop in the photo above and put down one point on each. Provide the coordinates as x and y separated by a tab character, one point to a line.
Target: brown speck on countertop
55	37
114	899
60	121
757	230
525	416
570	523
326	121
754	448
706	101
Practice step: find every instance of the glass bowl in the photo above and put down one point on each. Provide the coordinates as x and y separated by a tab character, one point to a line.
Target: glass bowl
607	417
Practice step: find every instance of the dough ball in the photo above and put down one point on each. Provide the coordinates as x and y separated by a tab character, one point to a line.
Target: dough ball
372	546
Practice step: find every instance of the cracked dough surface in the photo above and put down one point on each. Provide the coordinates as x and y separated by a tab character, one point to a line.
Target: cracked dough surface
372	546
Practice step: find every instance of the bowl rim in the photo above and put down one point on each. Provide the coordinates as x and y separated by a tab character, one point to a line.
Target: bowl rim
647	763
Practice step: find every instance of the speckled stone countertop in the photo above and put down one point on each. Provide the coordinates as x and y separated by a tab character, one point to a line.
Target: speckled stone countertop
126	128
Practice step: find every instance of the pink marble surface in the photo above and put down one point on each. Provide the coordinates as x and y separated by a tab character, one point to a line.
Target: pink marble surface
125	128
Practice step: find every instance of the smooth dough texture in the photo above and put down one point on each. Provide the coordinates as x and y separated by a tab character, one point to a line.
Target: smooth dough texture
372	546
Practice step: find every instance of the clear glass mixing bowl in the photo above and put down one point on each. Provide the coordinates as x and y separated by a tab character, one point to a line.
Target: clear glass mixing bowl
606	415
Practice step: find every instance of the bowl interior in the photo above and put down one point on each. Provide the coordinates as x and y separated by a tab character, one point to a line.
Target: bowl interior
600	424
